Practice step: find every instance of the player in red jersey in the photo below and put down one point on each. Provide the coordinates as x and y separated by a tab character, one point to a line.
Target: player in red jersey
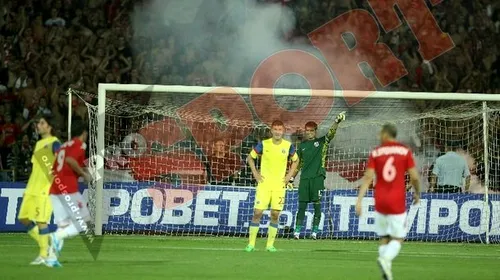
389	163
70	208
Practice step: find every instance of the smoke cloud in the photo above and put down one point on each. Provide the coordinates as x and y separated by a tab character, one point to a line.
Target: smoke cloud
240	33
243	34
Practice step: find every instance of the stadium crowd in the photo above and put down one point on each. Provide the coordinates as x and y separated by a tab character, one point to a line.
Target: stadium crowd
47	46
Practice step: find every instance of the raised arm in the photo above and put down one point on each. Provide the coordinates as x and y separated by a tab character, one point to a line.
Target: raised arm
128	65
333	129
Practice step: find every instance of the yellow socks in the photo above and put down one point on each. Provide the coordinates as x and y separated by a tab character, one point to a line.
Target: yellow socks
253	229
33	231
272	231
43	242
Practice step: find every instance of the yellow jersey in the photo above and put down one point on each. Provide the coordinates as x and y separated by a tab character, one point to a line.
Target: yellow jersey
43	159
274	160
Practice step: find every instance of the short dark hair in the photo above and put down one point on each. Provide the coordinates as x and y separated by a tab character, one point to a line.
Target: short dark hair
277	123
453	144
78	126
48	119
312	125
390	129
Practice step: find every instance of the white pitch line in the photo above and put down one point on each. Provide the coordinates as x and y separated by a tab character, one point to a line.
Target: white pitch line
225	238
357	252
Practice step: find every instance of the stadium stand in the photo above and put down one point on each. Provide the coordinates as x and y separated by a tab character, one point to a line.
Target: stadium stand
47	46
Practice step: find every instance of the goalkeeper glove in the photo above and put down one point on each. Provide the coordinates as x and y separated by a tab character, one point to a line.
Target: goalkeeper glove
340	117
289	185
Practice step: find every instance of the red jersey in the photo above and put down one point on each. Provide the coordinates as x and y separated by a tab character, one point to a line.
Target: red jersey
65	179
390	162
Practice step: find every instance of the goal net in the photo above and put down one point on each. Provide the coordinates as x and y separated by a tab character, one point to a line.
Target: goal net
175	161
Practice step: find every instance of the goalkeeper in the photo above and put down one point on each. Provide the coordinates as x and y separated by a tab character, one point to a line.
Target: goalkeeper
312	153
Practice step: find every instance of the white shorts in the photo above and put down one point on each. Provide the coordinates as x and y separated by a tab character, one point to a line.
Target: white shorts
391	225
69	207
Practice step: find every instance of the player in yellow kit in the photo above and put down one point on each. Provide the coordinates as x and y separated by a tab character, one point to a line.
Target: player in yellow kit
36	208
272	179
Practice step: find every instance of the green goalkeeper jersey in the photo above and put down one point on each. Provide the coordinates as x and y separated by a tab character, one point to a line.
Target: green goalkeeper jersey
312	155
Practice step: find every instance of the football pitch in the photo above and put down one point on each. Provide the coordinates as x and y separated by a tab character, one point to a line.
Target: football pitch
167	257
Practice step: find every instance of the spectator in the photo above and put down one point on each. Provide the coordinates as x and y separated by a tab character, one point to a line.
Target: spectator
10	131
449	171
54	19
224	166
20	158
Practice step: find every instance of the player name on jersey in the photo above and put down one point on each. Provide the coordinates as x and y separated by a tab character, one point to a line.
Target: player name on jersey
384	151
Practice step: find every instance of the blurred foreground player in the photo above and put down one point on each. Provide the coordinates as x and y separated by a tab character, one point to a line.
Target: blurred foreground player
70	209
272	180
312	153
36	208
389	163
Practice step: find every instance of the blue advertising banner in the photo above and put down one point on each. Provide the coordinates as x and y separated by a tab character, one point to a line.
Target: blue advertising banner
228	210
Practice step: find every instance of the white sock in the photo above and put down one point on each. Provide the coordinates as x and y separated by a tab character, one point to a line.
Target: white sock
392	250
381	250
66	232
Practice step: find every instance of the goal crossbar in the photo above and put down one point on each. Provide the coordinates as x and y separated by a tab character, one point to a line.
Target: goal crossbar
303	92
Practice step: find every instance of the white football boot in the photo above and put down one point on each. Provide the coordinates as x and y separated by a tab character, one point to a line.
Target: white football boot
38	261
385	266
296	235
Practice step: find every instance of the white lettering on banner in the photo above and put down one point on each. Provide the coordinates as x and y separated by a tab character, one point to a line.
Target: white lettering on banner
202	207
120	209
464	221
264	214
234	205
345	202
495	218
136	210
434	218
184	207
366	214
288	222
309	219
12	196
177	197
421	211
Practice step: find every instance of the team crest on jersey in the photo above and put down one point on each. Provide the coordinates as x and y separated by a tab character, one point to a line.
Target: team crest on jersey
283	151
316	144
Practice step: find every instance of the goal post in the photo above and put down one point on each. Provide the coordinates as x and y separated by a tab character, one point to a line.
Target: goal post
167	115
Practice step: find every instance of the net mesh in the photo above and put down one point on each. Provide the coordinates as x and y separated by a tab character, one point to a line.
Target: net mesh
175	162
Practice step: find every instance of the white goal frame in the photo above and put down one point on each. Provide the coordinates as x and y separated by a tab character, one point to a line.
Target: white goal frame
103	88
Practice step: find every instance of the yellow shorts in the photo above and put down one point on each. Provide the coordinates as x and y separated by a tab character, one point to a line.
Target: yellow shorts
266	197
36	208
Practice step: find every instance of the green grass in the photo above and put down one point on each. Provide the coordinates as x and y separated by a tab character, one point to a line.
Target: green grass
145	257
